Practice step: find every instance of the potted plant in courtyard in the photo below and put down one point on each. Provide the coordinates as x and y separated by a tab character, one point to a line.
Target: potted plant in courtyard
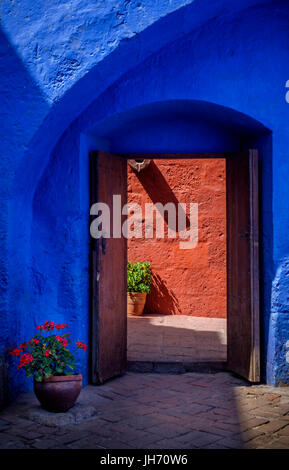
47	358
139	279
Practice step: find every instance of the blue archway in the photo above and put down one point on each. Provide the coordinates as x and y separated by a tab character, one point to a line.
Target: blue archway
170	75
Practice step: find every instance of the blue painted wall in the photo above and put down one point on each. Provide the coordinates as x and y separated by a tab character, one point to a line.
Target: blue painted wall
144	76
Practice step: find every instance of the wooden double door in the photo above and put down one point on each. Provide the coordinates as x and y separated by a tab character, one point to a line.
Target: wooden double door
108	177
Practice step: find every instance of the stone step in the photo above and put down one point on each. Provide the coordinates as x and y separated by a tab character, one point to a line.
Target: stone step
175	367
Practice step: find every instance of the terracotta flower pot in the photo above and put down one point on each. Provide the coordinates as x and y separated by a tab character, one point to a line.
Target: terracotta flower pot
136	302
58	393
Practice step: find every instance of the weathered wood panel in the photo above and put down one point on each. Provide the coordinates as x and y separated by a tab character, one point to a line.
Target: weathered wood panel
243	265
108	274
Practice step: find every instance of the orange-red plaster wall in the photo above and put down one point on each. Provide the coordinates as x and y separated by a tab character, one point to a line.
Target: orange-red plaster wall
190	282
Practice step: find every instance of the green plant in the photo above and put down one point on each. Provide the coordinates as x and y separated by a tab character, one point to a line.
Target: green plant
46	354
139	277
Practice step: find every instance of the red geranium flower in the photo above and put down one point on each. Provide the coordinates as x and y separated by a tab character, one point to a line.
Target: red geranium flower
62	341
81	345
15	352
33	341
48	325
35	366
25	359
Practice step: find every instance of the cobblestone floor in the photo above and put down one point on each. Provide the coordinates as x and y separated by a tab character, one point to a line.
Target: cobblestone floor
176	338
151	411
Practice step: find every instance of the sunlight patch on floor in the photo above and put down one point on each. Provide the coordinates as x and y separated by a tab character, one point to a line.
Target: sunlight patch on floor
176	338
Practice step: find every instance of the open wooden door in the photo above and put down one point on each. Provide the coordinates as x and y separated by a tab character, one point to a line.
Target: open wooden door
243	265
108	272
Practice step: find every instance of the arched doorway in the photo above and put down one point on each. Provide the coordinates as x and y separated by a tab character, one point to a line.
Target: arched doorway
59	286
177	122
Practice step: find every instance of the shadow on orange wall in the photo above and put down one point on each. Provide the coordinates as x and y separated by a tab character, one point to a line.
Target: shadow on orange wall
158	189
161	299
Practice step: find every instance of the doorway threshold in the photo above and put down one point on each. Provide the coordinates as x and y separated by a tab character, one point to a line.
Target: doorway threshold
160	367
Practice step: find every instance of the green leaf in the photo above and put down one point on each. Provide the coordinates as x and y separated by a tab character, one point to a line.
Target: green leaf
139	277
38	377
48	373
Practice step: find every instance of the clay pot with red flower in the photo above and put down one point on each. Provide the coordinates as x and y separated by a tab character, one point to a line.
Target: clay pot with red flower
48	359
139	279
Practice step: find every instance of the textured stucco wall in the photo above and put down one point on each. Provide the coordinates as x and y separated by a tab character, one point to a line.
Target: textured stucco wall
188	282
133	76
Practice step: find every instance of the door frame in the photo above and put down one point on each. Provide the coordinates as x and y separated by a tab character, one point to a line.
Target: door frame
256	248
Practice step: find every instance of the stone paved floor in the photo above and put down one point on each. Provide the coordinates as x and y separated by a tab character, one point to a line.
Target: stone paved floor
154	411
176	338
